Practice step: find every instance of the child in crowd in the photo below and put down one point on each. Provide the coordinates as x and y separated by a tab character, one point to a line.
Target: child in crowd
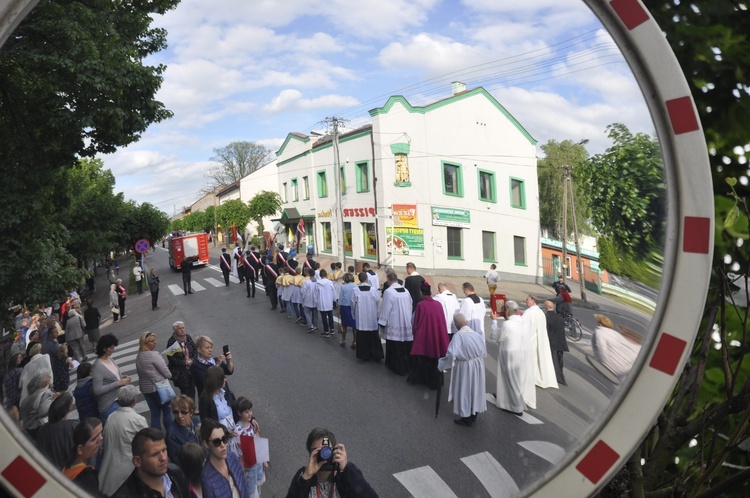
244	414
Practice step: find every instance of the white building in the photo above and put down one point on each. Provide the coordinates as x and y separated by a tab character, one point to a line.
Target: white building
264	178
451	186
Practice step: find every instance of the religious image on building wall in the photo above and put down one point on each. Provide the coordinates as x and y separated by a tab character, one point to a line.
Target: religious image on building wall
402	168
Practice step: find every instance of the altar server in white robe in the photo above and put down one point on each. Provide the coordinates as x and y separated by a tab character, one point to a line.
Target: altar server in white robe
449	301
465	358
472	307
396	318
365	300
515	391
544	367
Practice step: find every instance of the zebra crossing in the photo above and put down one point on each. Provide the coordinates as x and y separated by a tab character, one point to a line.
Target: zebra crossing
424	482
124	358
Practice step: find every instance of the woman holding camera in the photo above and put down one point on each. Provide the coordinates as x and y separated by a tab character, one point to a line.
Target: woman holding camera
205	358
328	471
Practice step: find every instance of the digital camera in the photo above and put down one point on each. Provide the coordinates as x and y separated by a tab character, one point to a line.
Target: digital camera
326	455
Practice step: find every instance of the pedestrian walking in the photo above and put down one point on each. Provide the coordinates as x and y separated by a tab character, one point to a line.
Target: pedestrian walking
186	267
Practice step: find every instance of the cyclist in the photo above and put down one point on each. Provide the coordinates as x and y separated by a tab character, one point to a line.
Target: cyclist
563	302
560	285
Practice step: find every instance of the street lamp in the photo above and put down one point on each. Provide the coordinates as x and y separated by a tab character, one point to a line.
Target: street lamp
568	187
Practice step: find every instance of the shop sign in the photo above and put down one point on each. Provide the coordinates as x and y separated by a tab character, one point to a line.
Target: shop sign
359	212
405	215
325	214
405	241
450	217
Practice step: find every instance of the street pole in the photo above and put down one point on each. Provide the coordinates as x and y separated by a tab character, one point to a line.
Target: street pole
581	276
338	208
564	264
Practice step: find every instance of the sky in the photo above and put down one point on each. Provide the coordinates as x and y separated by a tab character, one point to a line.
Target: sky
257	70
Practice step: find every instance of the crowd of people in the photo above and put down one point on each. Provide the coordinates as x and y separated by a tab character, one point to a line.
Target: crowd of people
112	450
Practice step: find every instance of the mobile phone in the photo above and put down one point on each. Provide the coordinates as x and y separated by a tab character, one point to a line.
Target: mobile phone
226	348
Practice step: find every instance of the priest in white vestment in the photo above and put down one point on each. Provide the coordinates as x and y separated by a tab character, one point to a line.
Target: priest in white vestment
396	318
235	252
365	300
515	391
465	358
449	301
544	367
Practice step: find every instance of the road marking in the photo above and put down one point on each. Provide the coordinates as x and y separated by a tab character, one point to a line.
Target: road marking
176	289
423	482
196	286
530	419
494	478
214	282
543	449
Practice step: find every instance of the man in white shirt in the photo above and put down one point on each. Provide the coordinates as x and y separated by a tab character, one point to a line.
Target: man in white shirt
138	273
372	277
308	301
396	317
473	308
493	278
449	301
325	295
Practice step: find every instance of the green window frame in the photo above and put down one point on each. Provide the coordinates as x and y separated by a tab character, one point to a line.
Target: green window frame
486	183
305	188
342	179
488	247
519	250
455	244
322	184
363	176
295	190
517	193
452	177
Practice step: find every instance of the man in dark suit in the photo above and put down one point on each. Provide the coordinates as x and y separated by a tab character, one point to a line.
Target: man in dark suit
249	273
413	284
186	267
557	341
225	263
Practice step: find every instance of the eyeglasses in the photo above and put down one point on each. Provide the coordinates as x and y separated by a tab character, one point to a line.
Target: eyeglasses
180	412
149	334
219	441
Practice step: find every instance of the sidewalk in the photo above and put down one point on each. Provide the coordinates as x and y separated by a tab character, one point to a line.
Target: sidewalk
139	315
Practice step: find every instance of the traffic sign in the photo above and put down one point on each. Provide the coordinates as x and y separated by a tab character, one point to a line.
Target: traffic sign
142	246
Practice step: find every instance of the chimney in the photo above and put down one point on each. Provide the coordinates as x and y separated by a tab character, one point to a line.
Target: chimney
457	87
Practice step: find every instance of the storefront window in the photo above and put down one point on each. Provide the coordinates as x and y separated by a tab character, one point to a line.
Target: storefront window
370	239
327	239
348	238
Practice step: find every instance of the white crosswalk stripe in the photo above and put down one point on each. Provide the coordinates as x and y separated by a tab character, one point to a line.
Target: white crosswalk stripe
424	482
543	449
492	475
215	282
197	286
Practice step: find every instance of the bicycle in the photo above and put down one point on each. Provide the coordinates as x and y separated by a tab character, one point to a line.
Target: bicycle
573	328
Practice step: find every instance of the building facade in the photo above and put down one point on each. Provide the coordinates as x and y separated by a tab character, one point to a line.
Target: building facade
451	187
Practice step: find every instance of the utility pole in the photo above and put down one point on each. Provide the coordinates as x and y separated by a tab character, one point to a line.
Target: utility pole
564	264
334	122
568	187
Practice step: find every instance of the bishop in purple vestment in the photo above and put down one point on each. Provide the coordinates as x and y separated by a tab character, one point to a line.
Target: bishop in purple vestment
430	340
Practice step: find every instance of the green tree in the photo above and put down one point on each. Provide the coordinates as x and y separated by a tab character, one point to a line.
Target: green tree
72	83
93	211
235	161
233	213
550	173
265	203
625	188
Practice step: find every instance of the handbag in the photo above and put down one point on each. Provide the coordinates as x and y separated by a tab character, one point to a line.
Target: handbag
165	391
115	310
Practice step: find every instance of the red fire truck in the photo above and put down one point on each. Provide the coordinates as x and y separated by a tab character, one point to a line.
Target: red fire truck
191	245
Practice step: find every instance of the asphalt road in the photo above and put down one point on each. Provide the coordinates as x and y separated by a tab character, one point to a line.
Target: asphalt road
298	381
